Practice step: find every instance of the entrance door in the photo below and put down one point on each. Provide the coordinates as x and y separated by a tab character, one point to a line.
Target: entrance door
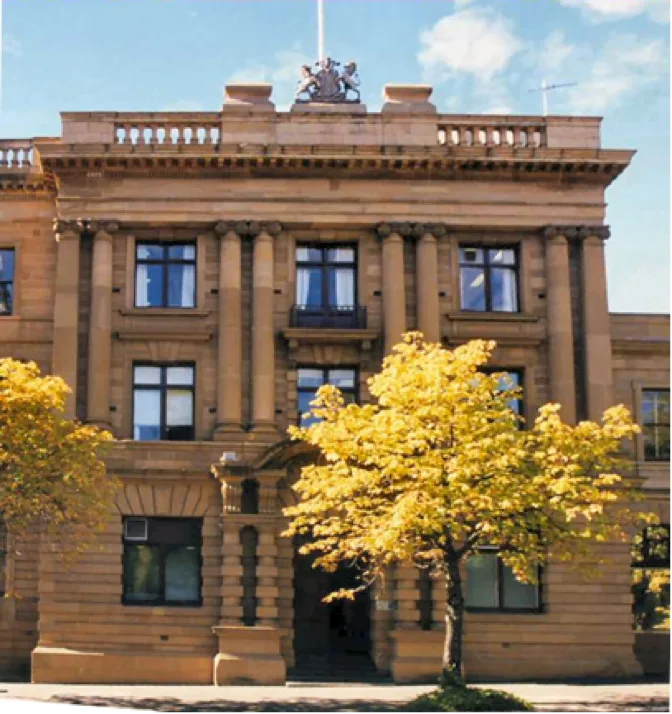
331	640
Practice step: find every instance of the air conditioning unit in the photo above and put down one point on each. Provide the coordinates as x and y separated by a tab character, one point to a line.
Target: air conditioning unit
135	529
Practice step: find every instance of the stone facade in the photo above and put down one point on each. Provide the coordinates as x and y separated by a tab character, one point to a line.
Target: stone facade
406	187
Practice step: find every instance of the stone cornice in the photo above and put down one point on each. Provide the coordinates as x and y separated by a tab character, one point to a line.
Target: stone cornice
576	232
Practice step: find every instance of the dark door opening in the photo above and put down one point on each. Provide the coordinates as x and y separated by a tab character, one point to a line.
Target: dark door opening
331	640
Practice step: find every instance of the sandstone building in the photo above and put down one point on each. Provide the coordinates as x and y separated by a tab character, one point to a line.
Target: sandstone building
195	276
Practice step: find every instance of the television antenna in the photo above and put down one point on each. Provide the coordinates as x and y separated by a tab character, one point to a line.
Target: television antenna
545	89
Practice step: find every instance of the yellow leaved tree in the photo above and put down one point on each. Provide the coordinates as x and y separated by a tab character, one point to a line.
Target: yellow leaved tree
52	479
439	466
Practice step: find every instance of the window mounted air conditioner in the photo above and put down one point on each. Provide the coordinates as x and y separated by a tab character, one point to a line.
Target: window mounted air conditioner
135	529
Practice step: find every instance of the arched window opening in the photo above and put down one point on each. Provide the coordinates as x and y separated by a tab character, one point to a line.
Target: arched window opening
249	539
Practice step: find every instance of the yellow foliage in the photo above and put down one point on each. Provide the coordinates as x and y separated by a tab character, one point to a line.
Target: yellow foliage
439	465
52	479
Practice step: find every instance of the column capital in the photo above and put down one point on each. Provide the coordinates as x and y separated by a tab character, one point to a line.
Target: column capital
67	229
102	229
576	232
248	229
411	230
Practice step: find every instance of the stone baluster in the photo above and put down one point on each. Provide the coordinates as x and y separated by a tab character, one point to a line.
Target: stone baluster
559	316
66	309
230	333
100	327
232	574
263	333
596	322
394	298
267	577
427	282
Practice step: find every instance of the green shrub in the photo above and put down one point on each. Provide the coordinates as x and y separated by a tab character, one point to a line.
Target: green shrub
466	699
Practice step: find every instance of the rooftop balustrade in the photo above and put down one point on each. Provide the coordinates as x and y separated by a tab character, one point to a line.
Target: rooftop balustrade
17	155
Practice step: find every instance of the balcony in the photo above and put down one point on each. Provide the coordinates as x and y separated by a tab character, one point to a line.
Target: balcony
346	317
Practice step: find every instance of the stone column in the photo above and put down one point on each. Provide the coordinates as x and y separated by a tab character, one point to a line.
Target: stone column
100	327
596	322
427	280
66	309
232	573
394	297
230	333
407	595
560	334
263	333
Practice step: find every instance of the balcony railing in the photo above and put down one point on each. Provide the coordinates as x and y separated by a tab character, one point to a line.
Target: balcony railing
16	154
343	317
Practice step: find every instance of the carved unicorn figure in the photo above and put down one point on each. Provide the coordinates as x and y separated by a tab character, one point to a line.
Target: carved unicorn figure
308	84
350	80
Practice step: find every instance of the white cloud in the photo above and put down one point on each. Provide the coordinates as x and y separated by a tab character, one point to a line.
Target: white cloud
658	10
475	41
555	52
625	65
283	75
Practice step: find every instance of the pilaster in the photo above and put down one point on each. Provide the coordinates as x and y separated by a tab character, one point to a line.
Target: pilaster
66	308
100	326
394	298
599	375
560	332
230	337
427	282
263	334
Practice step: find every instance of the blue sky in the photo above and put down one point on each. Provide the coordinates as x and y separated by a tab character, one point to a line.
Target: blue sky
480	55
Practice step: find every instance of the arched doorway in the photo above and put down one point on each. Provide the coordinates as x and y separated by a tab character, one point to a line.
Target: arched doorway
332	641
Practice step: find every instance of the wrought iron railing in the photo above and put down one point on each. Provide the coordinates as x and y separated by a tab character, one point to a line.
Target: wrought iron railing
344	317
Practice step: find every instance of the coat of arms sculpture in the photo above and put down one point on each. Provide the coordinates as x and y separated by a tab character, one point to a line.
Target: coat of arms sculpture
328	85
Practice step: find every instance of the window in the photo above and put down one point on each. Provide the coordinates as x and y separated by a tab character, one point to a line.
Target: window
511	379
163	402
162	561
6	281
491	585
656	424
249	540
165	275
326	286
651	578
310	379
489	279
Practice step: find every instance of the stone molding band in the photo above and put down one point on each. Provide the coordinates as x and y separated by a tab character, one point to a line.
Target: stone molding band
248	229
411	230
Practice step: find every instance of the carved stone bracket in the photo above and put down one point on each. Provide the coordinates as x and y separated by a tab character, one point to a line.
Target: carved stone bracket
232	479
577	232
411	230
248	229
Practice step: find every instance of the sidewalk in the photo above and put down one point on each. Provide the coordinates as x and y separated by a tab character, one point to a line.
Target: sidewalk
573	697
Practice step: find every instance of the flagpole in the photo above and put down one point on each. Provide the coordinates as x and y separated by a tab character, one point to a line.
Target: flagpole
320	30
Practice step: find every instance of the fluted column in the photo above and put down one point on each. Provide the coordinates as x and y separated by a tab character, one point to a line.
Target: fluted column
230	333
560	332
100	327
263	335
427	280
394	296
66	309
597	326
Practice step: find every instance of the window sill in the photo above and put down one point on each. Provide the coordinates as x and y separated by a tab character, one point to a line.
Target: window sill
505	611
492	316
164	311
163	606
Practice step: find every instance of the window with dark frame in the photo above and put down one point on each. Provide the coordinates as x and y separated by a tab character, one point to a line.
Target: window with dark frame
165	274
656	424
162	562
310	379
511	379
651	548
489	279
163	402
492	587
326	285
7	266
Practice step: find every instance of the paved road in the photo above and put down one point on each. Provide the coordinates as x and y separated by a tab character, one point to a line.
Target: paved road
29	698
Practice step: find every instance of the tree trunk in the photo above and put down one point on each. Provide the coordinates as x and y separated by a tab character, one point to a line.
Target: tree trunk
451	674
